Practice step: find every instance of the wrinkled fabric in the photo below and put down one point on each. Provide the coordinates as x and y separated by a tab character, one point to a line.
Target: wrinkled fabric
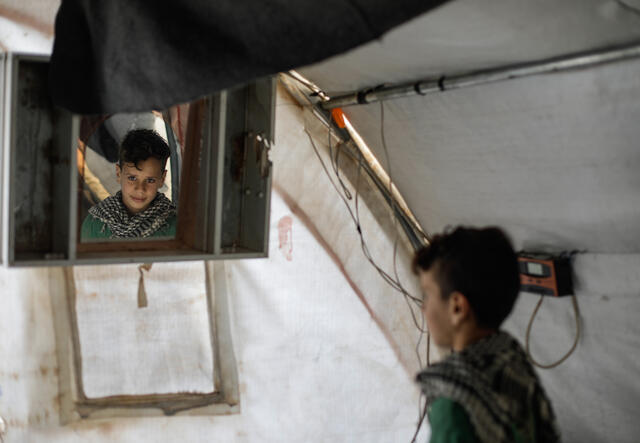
123	55
112	212
494	382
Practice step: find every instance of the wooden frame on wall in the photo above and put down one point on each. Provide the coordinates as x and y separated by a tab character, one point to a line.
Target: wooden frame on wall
75	405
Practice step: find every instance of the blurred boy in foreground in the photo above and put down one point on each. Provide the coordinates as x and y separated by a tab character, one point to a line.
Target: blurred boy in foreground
485	390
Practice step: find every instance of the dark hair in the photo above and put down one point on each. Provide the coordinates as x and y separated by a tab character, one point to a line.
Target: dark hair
479	263
140	144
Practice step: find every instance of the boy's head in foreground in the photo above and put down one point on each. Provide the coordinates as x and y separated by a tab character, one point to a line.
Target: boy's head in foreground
470	281
141	168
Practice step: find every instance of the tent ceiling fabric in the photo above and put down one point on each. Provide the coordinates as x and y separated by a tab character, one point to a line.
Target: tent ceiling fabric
121	56
552	158
470	35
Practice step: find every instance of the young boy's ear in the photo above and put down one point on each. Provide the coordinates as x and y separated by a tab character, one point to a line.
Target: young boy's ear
164	175
459	308
118	172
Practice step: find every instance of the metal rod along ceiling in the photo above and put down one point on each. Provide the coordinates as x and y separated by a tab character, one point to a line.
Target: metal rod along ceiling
414	232
445	82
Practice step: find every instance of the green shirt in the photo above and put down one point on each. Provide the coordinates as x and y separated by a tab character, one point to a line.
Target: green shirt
94	229
450	424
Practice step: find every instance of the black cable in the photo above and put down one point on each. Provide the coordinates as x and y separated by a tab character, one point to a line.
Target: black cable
395	246
394	283
346	195
336	168
421	416
428	348
393	201
576	311
386	277
420	341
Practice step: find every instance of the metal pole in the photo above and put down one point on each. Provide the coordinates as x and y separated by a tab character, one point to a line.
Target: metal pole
412	232
411	228
456	81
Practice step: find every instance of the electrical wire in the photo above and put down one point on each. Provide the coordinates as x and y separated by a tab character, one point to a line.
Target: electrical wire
395	250
421	415
575	341
428	348
318	92
356	220
336	167
395	283
393	202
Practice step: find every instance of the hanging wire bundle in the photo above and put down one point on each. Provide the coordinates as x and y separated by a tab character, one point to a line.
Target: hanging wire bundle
346	196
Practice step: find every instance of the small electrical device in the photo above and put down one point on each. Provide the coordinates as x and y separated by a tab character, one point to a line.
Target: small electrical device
545	274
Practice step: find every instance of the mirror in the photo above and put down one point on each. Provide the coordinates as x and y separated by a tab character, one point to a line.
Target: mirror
129	169
145	180
64	176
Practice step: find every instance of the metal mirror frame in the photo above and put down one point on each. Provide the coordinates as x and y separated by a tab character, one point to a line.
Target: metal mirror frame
231	215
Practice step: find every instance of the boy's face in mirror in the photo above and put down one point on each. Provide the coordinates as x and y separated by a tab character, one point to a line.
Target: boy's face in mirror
140	185
436	310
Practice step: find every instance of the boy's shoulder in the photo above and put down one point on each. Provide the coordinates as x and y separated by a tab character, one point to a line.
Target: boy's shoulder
168	229
449	422
94	228
492	380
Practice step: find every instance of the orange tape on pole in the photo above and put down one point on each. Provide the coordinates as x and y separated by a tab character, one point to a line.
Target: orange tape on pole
338	117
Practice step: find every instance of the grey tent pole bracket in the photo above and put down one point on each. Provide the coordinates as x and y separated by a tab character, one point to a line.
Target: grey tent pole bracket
456	81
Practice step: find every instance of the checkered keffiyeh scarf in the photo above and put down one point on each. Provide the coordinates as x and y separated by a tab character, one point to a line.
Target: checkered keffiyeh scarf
498	388
112	212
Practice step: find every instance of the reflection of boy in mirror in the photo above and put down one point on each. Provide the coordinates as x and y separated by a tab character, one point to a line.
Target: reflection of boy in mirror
138	209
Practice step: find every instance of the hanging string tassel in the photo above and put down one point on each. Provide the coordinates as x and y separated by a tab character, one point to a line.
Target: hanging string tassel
143	302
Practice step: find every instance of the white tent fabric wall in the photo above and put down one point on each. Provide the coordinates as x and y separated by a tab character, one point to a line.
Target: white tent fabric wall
295	386
303	188
595	393
316	365
552	158
162	347
12	37
316	362
27	25
470	35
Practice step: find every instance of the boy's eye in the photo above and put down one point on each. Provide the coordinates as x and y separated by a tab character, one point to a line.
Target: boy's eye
131	178
151	180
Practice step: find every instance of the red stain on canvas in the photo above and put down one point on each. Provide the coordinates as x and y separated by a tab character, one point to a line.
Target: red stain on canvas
284	236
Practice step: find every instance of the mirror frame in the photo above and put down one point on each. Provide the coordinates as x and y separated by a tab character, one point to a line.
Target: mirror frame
226	214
